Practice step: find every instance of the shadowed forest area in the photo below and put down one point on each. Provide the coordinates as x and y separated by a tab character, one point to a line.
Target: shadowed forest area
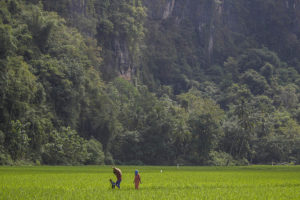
160	82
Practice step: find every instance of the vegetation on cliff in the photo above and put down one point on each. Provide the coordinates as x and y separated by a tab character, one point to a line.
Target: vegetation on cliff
149	82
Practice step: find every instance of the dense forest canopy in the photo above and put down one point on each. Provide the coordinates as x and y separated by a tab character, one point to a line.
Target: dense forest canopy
206	82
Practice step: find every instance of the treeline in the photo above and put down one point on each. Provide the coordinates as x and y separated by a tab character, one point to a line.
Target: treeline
103	82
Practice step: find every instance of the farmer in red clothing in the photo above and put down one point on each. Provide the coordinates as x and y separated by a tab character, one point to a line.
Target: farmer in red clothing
137	179
118	174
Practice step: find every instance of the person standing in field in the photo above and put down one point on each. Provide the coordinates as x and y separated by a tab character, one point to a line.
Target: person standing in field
137	179
118	174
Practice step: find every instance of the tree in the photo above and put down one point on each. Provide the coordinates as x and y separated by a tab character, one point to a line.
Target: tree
205	119
17	140
95	152
6	40
257	83
65	147
19	90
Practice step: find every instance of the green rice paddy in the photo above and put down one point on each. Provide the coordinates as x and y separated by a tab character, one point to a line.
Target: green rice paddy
92	182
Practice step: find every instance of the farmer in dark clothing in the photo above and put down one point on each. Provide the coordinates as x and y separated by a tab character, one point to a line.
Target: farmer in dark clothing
118	174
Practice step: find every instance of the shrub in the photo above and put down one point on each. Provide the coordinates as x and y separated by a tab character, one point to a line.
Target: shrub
95	152
66	147
221	159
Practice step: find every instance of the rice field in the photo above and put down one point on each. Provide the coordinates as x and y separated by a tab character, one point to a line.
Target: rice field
92	182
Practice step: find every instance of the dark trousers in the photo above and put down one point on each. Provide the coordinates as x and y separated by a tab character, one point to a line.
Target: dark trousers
118	183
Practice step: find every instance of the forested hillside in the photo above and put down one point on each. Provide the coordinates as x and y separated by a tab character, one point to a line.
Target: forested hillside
160	82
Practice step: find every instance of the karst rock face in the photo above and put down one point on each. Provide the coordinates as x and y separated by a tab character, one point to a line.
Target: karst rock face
224	24
213	29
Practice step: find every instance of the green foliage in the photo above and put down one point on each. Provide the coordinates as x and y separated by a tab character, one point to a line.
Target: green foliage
6	40
5	158
39	27
268	72
2	137
204	120
18	91
122	19
65	147
256	58
255	81
17	140
221	159
95	151
154	82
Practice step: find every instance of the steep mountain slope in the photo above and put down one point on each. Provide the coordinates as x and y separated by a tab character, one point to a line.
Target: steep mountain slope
149	82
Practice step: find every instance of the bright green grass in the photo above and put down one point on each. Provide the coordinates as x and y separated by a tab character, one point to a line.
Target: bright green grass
91	182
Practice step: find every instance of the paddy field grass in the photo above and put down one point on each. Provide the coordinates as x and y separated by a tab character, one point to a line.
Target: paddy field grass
92	182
